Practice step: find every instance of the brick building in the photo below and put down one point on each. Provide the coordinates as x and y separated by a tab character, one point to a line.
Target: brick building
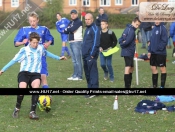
113	6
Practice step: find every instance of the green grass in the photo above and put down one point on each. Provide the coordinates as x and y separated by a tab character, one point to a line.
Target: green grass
75	113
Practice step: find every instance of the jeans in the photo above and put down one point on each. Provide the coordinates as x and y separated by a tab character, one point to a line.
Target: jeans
76	53
169	41
107	61
146	35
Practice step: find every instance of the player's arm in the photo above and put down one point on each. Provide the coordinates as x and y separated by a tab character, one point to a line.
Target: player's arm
49	39
73	28
128	39
20	38
96	44
58	28
51	55
18	57
164	39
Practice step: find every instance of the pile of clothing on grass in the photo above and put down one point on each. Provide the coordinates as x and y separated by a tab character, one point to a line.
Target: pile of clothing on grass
151	107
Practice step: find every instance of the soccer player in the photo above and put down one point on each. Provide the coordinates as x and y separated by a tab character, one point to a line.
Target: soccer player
46	40
29	75
127	44
107	40
157	53
61	24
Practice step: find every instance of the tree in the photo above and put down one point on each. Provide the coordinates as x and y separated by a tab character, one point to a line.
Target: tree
50	10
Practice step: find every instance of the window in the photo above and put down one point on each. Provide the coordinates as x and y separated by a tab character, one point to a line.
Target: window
14	3
72	2
171	0
86	2
134	2
118	2
104	2
0	2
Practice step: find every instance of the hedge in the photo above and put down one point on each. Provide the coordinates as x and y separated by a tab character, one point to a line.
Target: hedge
115	20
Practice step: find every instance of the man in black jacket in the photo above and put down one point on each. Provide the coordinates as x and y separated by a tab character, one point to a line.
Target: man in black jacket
157	53
101	16
127	44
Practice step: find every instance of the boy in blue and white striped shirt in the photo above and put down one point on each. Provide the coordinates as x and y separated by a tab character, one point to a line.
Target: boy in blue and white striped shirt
30	59
46	39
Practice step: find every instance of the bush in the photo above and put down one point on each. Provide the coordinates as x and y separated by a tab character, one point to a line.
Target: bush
115	20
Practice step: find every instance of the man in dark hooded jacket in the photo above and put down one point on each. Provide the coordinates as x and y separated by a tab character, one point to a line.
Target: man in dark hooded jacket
127	44
157	53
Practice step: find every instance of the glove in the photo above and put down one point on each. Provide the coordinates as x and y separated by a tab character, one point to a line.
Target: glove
47	109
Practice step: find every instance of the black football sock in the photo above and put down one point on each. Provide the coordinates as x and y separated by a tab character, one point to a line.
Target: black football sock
127	80
163	79
19	101
130	79
34	102
154	80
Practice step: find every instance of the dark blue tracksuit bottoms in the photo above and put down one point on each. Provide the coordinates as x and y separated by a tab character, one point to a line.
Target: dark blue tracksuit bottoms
91	72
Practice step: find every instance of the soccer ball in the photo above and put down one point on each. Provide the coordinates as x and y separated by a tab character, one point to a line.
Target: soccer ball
44	101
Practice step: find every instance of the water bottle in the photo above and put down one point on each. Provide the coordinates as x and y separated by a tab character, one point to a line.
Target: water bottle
115	107
152	112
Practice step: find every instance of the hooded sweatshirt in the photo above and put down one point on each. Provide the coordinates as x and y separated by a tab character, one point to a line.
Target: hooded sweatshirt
158	40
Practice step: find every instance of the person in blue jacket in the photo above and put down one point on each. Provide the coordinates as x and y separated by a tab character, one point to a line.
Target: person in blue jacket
61	24
90	52
172	35
101	16
127	44
157	53
22	38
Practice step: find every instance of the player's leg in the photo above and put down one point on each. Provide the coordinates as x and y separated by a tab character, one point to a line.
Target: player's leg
86	71
64	47
162	64
103	65
110	68
44	73
128	64
22	83
153	64
131	71
35	80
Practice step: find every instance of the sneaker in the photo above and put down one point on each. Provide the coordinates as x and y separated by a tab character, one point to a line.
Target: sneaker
173	62
15	113
143	47
106	76
70	78
76	79
112	80
68	57
89	96
161	87
32	115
